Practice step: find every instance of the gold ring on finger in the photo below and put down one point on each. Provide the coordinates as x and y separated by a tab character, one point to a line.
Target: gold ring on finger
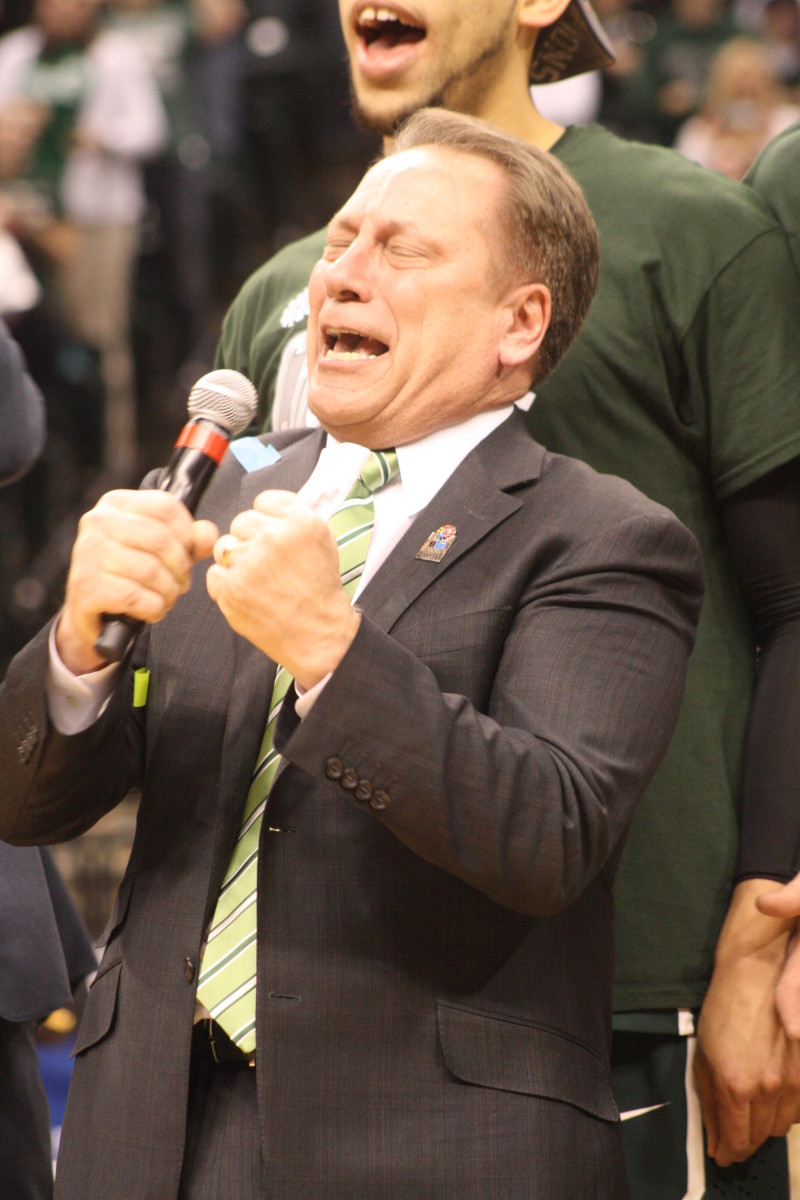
225	558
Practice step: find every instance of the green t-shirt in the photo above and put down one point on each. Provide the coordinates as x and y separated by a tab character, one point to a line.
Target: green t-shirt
775	175
685	379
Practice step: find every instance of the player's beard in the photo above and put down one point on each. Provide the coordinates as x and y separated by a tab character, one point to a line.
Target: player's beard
459	87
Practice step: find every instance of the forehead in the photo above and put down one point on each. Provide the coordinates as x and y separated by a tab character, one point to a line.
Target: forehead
433	188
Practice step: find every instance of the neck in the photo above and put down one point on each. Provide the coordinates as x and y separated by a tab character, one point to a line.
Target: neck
509	107
505	100
524	121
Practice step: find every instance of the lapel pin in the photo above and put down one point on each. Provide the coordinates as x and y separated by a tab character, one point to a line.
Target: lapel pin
434	548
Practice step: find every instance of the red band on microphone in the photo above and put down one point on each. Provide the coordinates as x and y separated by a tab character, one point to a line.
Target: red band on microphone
204	438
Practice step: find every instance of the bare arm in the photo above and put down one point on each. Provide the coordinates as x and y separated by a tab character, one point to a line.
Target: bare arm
747	1068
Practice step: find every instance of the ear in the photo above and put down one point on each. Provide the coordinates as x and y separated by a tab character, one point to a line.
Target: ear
528	316
537	14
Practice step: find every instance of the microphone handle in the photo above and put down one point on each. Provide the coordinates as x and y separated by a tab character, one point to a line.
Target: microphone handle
117	637
187	477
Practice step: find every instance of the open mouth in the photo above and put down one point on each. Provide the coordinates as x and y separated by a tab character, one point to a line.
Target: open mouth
350	344
387	27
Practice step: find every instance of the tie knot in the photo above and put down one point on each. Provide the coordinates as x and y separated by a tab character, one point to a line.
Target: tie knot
378	470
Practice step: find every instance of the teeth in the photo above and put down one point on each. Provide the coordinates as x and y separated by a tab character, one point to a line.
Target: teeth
374	16
347	354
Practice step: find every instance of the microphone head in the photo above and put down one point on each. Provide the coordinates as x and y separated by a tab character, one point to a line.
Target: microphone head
225	397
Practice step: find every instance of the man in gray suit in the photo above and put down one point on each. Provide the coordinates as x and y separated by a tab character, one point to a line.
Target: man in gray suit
426	1009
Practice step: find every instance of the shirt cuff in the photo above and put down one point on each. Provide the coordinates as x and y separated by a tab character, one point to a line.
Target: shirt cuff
306	699
76	701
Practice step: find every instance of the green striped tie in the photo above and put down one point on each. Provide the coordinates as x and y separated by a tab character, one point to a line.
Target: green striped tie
227	983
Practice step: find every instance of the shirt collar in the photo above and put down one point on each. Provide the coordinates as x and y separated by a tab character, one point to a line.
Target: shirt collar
425	465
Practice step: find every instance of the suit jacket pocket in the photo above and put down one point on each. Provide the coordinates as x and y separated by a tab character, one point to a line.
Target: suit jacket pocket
101	1007
513	1056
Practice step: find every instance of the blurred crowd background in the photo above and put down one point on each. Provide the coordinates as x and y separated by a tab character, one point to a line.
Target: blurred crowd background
136	197
153	154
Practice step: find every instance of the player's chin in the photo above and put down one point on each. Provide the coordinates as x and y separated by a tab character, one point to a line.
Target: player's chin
381	112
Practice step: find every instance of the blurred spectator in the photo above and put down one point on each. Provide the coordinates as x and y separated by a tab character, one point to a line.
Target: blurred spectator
630	24
669	85
78	112
780	28
216	71
778	23
194	51
745	107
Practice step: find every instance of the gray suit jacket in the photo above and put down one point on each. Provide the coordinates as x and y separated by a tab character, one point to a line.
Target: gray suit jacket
435	909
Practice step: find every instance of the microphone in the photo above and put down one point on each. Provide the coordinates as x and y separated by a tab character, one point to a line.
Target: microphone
221	405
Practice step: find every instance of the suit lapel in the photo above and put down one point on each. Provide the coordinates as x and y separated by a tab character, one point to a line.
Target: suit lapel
289	473
476	498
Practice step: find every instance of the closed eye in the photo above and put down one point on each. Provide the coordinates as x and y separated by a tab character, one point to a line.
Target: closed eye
336	247
407	252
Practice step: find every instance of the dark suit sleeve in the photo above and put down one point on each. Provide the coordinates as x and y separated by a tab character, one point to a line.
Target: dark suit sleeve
22	412
56	787
529	799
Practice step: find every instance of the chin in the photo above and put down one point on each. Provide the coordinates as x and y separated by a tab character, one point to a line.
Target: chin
386	119
382	123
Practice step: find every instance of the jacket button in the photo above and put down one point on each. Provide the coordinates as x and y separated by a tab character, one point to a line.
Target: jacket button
349	779
379	800
188	969
334	768
364	790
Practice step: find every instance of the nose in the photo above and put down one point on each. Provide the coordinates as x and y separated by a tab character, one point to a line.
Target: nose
347	277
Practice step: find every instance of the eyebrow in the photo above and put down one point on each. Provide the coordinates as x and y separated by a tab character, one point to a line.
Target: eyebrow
339	219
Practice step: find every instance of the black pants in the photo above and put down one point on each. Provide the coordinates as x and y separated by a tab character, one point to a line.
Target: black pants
222	1157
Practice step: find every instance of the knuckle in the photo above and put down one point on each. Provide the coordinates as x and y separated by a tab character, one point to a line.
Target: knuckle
130	598
739	1087
771	1084
151	572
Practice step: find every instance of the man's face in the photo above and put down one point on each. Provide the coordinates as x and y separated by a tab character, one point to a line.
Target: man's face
64	20
447	53
407	313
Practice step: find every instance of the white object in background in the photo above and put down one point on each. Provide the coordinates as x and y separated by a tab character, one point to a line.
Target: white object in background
19	288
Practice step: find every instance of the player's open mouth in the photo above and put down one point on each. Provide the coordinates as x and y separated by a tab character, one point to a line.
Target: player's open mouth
349	344
385	27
